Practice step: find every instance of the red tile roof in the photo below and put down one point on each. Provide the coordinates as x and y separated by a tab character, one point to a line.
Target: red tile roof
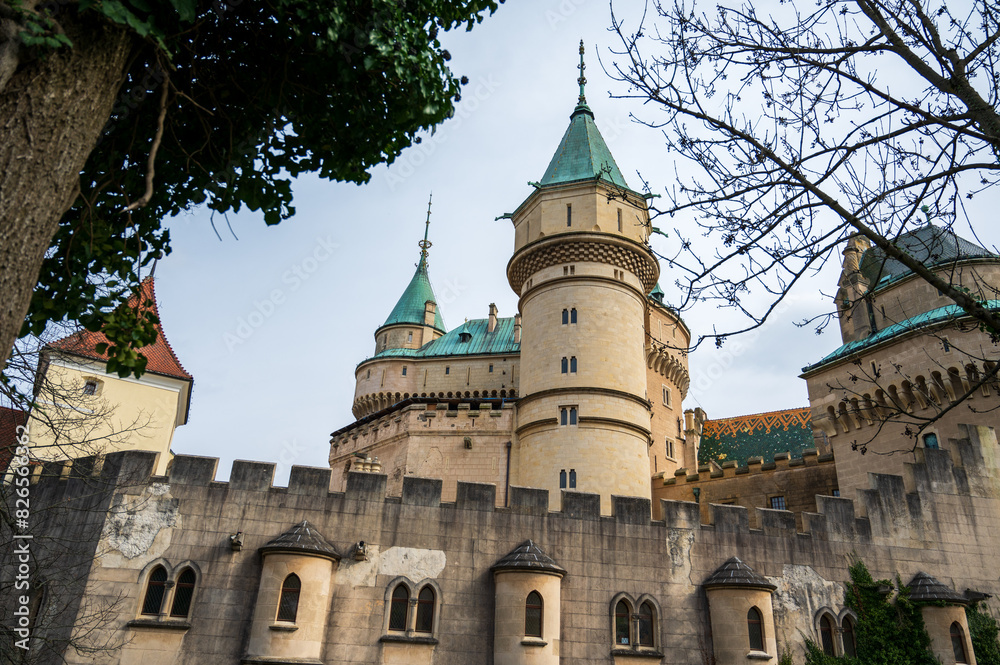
10	419
160	357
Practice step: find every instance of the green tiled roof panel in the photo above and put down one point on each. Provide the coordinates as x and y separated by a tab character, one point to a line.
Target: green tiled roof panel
469	339
930	245
410	306
758	435
933	317
582	154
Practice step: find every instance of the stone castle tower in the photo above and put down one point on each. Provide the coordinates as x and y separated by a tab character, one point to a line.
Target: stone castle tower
583	269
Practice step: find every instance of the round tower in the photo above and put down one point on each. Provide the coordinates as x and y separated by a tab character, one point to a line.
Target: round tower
583	269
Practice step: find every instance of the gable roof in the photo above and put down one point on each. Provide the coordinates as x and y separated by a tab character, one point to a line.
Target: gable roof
160	356
756	435
930	245
410	306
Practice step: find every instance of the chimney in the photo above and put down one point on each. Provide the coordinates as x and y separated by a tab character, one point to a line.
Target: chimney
429	308
493	318
517	328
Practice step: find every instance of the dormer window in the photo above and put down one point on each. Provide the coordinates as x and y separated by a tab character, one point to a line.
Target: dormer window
464	337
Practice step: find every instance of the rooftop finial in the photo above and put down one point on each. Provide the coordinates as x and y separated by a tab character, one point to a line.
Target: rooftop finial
583	79
425	243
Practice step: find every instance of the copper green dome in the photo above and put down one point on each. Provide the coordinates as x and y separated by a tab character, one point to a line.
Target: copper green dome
410	307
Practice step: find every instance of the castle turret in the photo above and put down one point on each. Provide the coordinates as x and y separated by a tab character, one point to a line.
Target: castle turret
583	269
415	320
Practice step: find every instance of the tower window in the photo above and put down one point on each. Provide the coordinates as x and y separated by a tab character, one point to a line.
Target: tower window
958	643
778	503
572	270
288	604
619	220
931	441
572	365
946	344
572	476
569	215
404	371
491	368
666	396
533	615
562	479
755	628
409	337
567	415
369	374
565	316
572	315
669	448
447	370
564	365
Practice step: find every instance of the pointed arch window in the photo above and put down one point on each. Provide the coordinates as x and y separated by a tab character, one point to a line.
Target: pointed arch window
425	610
850	647
572	315
183	592
288	603
755	628
565	317
646	613
533	615
826	635
155	588
958	643
622	615
399	608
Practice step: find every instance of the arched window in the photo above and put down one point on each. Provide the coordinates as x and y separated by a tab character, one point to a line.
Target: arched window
288	604
622	617
572	315
958	643
572	365
755	627
646	625
850	648
564	365
533	615
399	608
425	610
183	591
565	316
826	635
155	588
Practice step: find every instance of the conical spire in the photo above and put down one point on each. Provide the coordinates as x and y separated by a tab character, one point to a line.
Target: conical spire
582	154
411	305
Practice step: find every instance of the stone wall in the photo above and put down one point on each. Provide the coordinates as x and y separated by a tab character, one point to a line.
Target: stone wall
941	519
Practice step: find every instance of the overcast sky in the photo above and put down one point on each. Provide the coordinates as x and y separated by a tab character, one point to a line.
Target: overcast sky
272	324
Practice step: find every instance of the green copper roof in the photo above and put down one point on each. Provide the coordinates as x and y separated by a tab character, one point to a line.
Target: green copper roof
410	306
478	342
930	245
657	293
582	154
933	317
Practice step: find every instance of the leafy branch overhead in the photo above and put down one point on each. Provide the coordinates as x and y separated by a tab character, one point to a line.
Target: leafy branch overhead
221	104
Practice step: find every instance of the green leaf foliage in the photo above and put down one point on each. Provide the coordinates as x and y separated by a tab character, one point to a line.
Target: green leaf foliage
983	631
259	92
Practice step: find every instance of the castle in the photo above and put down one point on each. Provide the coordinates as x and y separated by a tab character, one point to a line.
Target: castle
528	490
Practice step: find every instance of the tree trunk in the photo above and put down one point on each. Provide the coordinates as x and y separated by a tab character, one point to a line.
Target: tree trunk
52	111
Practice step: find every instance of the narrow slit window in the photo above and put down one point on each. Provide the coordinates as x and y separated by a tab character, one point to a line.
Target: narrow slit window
404	371
565	365
562	479
569	215
572	365
565	316
533	615
572	415
563	416
572	315
288	605
619	220
572	479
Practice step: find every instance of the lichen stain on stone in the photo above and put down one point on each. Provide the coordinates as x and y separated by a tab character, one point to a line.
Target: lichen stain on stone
415	564
134	522
679	542
802	591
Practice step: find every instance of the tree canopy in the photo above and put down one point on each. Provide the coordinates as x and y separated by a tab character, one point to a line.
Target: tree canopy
215	103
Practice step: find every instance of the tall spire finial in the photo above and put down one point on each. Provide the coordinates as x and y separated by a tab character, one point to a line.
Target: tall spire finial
425	243
583	79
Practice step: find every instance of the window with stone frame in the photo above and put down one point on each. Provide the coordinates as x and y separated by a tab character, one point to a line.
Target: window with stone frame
180	607
288	602
156	587
533	615
755	629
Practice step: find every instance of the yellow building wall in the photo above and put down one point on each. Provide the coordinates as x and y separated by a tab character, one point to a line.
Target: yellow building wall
125	414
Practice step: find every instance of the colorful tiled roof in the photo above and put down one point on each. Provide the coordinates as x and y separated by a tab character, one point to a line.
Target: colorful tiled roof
410	306
582	154
160	356
930	245
480	342
302	538
756	435
734	574
528	557
932	318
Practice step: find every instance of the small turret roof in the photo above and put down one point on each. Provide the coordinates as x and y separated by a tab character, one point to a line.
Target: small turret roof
481	342
582	154
410	306
930	245
924	588
734	574
303	538
528	557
